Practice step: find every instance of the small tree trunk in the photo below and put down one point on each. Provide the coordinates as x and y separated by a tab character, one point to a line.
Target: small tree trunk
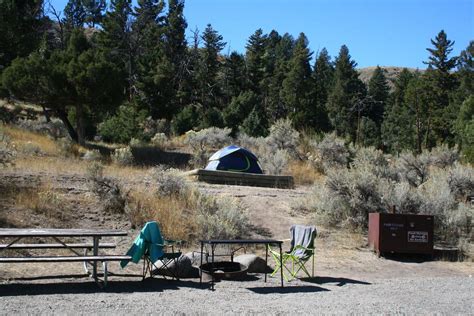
80	125
70	129
46	114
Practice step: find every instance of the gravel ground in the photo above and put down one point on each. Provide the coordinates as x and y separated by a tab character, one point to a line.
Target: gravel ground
321	295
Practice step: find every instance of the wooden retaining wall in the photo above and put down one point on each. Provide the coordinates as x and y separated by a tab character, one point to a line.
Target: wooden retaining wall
241	178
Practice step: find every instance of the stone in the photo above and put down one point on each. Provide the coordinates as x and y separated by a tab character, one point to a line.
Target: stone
254	263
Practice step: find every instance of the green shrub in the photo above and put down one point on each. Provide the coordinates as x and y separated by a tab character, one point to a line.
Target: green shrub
185	120
123	126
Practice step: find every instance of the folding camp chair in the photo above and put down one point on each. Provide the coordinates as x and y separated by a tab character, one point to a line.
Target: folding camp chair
151	247
163	268
302	249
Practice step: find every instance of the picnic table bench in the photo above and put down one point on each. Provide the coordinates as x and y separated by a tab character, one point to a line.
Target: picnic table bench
58	235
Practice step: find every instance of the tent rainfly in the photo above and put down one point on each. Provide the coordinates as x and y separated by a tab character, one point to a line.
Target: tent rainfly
234	158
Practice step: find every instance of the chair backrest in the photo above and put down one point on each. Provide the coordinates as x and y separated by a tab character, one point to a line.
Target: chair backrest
151	234
302	236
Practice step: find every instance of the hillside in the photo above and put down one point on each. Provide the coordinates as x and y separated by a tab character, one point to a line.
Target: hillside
390	72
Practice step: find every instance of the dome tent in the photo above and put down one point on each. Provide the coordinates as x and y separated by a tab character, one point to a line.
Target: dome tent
234	158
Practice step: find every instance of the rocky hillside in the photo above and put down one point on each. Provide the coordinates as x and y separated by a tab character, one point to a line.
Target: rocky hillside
390	72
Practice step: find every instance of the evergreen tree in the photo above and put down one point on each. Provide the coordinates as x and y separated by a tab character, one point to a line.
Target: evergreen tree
209	67
397	128
464	127
323	75
94	11
74	15
296	92
466	72
115	40
278	51
255	60
239	109
347	98
255	124
234	76
378	91
442	83
21	28
148	30
419	103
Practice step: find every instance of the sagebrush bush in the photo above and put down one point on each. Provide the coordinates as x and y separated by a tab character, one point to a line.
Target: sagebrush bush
283	136
110	192
414	169
423	187
168	182
7	153
443	156
92	155
31	149
330	152
183	211
123	156
275	163
461	181
211	138
67	148
220	218
54	128
205	142
159	140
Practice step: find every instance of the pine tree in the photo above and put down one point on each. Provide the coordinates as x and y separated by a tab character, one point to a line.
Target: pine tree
323	76
94	11
254	57
234	76
347	98
74	14
296	92
116	42
378	91
148	29
442	83
21	28
397	127
278	51
209	67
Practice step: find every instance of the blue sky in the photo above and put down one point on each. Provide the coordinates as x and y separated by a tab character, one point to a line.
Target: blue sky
377	32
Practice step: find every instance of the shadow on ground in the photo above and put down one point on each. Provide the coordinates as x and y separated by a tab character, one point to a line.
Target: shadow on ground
287	289
338	281
89	287
408	258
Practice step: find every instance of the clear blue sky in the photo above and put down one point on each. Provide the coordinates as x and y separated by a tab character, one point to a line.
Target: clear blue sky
377	32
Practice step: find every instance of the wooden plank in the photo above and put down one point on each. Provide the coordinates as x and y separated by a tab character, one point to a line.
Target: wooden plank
63	259
239	178
53	232
56	246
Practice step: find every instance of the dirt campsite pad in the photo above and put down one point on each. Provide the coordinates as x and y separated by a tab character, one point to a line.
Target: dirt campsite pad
348	277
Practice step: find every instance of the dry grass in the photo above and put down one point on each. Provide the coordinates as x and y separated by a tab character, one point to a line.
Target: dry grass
51	165
303	173
42	200
22	140
126	173
174	214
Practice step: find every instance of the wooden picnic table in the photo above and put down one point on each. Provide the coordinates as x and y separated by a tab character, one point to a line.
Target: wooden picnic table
58	235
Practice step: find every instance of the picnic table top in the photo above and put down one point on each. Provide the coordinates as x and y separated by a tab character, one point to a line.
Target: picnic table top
59	232
241	241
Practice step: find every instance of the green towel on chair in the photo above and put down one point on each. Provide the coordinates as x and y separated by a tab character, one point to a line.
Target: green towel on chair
148	241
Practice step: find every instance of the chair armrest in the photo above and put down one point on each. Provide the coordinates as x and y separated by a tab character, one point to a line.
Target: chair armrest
298	247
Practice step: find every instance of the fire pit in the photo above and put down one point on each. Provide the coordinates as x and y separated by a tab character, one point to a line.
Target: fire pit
224	270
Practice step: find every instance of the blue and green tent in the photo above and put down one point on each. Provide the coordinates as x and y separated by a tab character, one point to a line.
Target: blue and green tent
234	158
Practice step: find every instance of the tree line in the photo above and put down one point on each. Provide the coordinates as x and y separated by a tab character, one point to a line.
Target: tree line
104	69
